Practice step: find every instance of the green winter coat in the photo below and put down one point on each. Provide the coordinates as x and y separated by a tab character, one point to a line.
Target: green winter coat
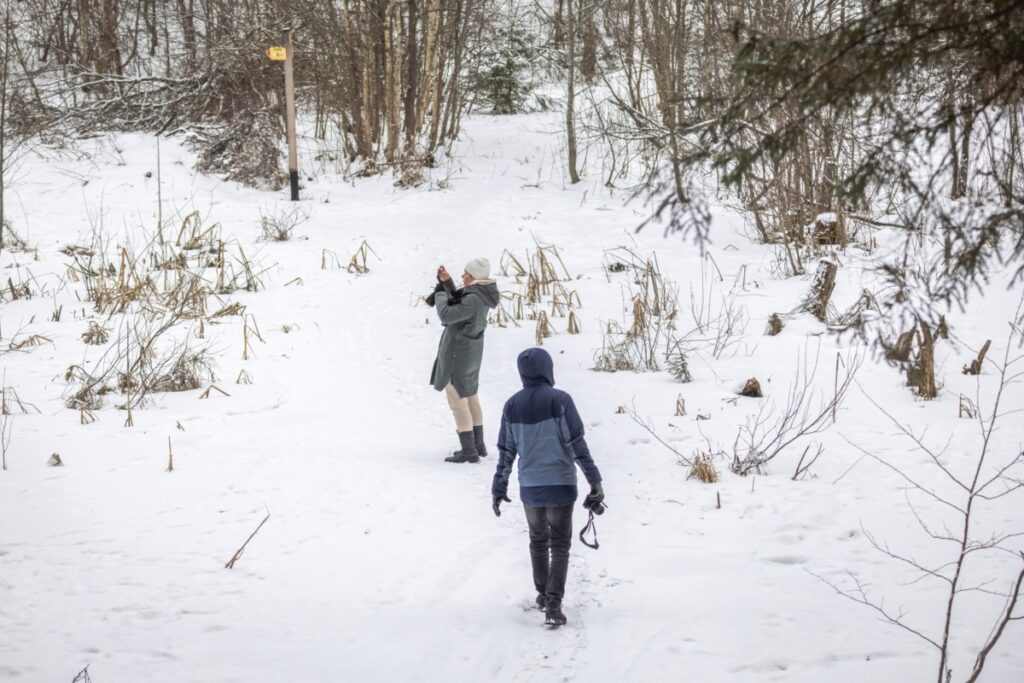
461	350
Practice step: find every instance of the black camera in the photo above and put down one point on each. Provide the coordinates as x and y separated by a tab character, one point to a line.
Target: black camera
454	295
597	508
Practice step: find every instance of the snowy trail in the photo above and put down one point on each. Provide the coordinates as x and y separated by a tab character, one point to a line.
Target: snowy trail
380	562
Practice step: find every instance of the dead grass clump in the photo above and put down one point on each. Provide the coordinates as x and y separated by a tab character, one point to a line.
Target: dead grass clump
548	267
410	174
703	469
563	301
87	399
228	310
358	264
11	403
188	371
29	342
277	224
510	266
653	318
543	328
14	292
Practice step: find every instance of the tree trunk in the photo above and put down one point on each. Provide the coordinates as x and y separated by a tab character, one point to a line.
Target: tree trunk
188	30
570	114
108	59
4	78
412	76
821	290
558	33
588	55
965	150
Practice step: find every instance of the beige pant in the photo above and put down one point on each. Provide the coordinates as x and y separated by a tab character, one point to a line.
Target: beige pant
466	410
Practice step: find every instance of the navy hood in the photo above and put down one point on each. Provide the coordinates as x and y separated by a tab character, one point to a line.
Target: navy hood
536	368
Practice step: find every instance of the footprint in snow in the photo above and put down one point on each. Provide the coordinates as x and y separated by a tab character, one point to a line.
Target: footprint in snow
787	559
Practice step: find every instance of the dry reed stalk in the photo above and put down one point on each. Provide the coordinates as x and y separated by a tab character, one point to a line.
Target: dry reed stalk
206	394
574	324
29	342
358	264
543	328
329	259
248	329
234	308
966	408
680	406
238	553
532	295
510	262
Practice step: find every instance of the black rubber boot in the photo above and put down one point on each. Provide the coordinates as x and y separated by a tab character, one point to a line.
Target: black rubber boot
553	614
468	451
542	602
478	439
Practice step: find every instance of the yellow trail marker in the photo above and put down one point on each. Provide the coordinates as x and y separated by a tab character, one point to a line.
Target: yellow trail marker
277	54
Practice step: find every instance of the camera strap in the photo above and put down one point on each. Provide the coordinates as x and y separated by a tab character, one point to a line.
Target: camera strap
589	528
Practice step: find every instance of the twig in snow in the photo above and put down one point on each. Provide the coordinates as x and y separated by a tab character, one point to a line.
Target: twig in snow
238	553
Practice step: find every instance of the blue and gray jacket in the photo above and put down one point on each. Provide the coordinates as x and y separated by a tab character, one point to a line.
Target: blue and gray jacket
541	425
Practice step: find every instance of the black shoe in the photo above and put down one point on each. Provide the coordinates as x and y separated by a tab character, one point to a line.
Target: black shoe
542	601
478	439
468	451
553	615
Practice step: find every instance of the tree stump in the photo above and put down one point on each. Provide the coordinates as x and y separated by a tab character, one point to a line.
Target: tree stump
821	290
829	230
752	389
975	367
921	375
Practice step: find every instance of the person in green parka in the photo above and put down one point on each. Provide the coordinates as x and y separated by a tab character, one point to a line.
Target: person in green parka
460	352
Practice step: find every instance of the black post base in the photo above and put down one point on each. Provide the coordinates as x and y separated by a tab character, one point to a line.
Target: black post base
293	178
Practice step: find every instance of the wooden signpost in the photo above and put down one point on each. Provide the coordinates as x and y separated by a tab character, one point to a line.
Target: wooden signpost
286	54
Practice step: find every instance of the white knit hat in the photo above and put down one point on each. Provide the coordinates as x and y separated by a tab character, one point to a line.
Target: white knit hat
479	268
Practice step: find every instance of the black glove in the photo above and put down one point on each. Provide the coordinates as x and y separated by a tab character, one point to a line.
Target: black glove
595	496
496	504
445	286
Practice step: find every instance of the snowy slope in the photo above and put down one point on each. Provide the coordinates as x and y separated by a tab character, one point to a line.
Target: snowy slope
381	562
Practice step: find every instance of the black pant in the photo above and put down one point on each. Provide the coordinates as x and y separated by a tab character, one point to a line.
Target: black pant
550	539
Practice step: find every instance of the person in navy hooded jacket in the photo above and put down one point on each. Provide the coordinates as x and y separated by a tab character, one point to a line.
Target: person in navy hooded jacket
541	425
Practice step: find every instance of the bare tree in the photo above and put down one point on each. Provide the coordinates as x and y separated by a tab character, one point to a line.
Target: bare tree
805	413
991	476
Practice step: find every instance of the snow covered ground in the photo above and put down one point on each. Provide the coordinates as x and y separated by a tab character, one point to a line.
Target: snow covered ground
381	562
